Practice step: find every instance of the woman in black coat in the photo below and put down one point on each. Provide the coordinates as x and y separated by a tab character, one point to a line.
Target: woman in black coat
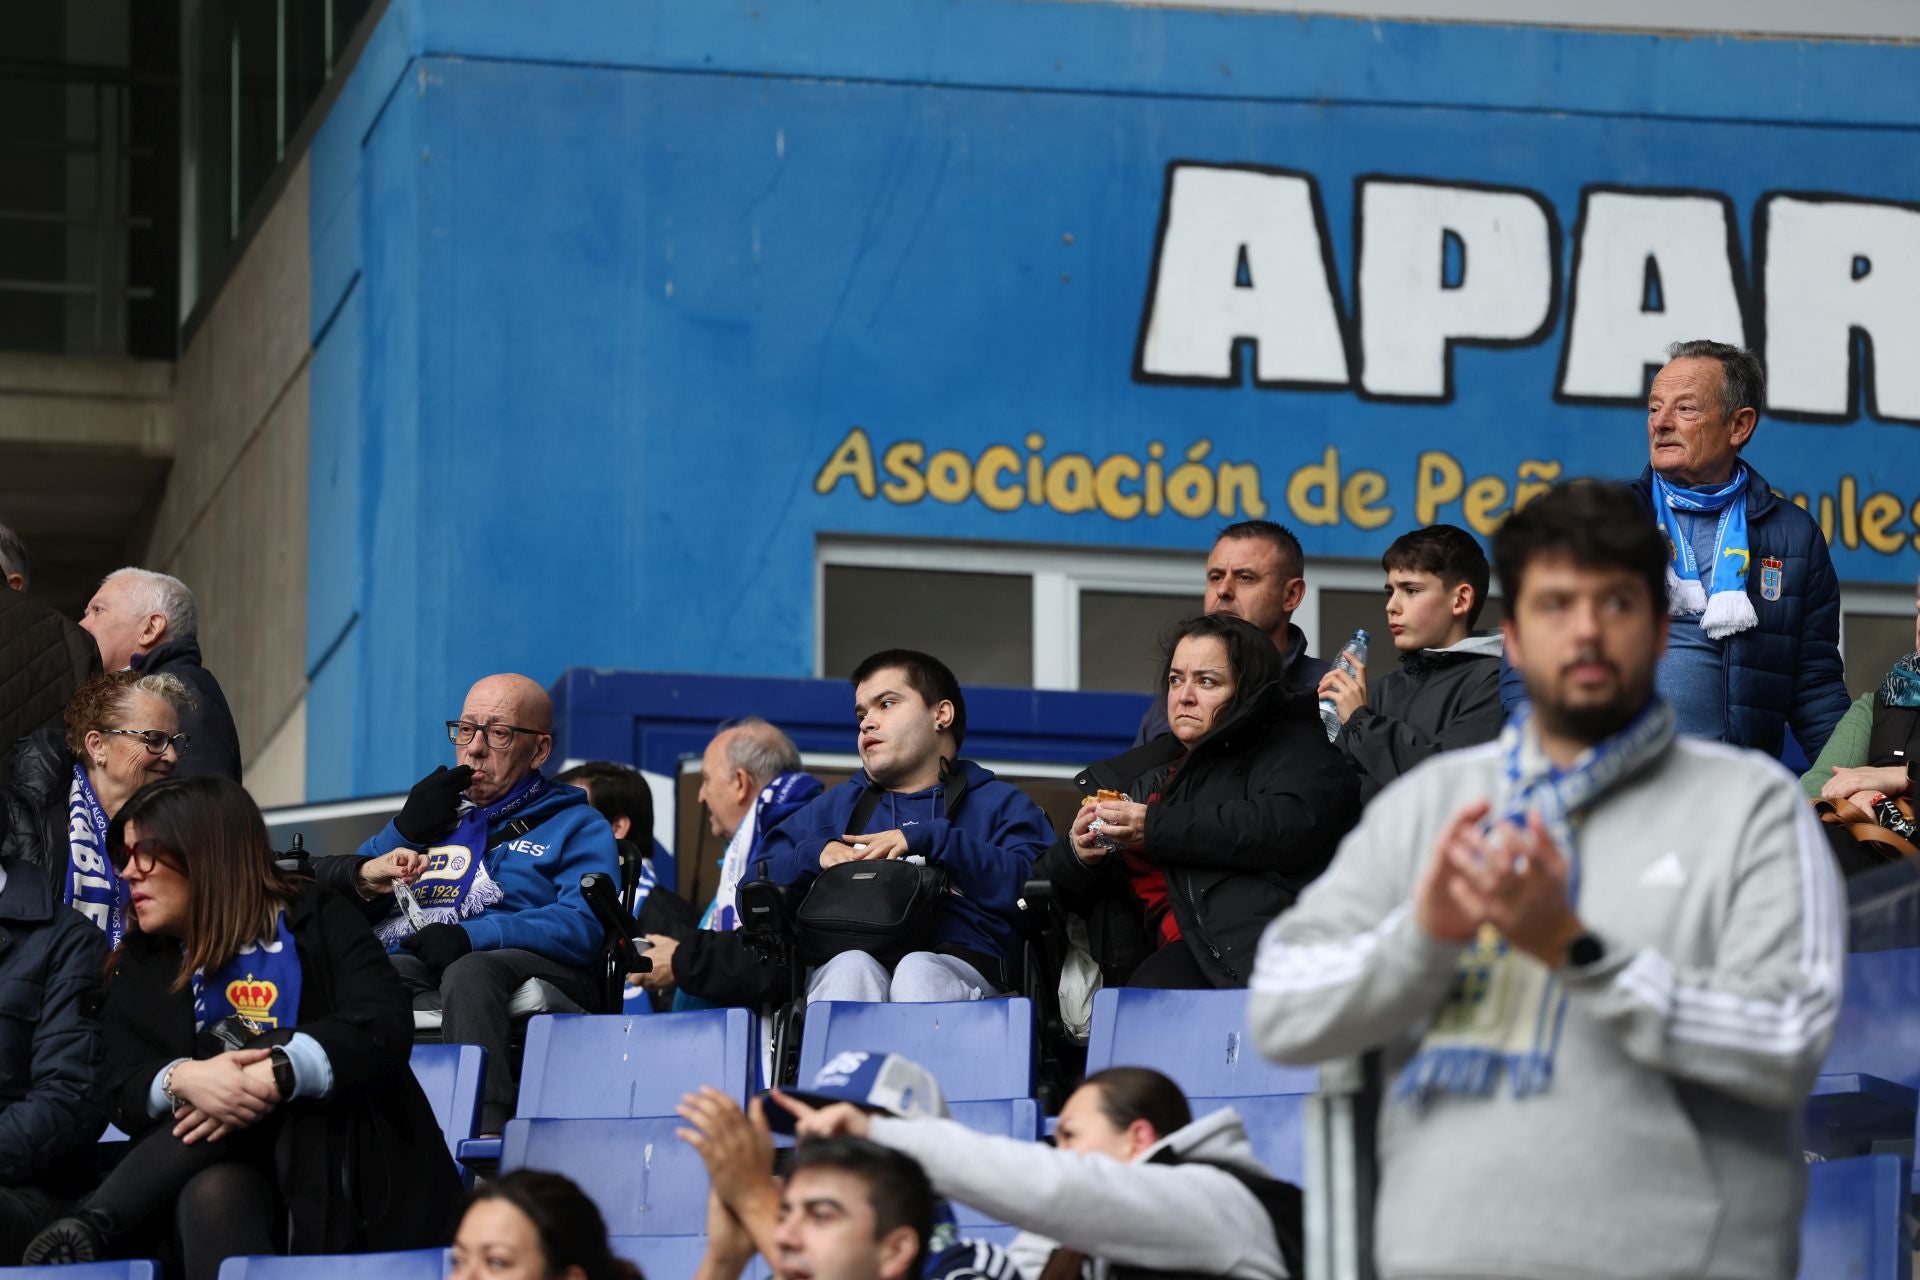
314	1138
1225	820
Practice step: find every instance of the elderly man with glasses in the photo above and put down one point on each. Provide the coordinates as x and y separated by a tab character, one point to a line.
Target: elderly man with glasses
488	857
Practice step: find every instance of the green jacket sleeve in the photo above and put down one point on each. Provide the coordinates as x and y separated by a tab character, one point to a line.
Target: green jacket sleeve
1846	747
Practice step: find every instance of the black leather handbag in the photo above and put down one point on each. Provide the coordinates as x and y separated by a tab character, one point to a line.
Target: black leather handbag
885	908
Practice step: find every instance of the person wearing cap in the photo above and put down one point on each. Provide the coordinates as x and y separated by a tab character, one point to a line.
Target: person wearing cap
738	1149
1133	1182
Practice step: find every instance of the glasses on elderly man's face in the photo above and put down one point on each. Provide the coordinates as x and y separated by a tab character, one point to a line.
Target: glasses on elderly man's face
157	742
499	736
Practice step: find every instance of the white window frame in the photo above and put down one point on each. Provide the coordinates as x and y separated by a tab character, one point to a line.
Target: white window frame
1059	574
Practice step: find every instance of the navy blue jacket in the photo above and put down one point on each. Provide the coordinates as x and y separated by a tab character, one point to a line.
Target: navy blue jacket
990	846
1786	670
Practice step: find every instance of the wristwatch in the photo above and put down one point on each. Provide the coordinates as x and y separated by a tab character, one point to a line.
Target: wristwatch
282	1072
1584	950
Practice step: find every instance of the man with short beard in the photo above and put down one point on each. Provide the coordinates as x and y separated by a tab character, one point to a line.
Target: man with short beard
1602	961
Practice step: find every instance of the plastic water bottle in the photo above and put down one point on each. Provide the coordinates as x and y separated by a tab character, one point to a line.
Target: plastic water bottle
1355	651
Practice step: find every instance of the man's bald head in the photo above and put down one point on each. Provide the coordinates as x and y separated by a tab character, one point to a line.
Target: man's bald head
521	705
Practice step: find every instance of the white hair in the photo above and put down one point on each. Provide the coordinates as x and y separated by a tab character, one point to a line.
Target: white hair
163	594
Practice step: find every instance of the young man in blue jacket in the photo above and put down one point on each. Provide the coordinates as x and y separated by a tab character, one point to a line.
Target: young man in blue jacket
912	719
493	852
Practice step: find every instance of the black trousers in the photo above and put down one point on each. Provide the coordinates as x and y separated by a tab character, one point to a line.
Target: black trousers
473	994
1171	968
223	1196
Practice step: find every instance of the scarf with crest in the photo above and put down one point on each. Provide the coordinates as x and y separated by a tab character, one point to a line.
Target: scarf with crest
1503	1017
456	885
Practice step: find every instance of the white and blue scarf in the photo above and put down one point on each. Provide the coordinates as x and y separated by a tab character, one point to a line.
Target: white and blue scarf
92	888
456	885
786	794
1505	1012
261	984
1727	611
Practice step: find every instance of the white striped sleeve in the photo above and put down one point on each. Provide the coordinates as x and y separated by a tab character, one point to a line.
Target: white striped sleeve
1757	1021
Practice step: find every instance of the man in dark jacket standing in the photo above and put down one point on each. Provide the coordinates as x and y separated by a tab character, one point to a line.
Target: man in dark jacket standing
1446	693
1753	641
43	657
149	621
51	1107
914	798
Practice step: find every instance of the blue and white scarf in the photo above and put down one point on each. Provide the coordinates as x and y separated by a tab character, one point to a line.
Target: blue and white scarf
1727	611
261	984
456	885
1504	1015
1901	688
92	888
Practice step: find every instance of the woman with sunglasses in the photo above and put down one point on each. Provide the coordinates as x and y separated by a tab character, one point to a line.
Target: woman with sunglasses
122	732
312	1138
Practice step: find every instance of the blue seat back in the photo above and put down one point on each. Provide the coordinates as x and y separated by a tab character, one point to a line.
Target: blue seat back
1877	1033
580	1064
976	1049
1854	1226
1276	1126
1199	1038
450	1076
141	1269
412	1264
646	1181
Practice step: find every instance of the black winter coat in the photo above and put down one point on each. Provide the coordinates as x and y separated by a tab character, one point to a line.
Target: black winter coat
1439	700
216	743
51	1108
365	1168
1253	814
36	806
43	659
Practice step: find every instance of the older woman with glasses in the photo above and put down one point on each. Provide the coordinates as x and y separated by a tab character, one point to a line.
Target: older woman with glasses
256	1044
122	732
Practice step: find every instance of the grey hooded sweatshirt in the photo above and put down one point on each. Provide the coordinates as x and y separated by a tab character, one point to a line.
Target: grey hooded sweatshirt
1668	1141
1163	1217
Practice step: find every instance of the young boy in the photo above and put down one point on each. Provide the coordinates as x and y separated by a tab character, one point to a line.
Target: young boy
1447	691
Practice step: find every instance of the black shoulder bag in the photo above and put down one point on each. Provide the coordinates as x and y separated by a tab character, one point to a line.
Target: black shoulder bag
885	908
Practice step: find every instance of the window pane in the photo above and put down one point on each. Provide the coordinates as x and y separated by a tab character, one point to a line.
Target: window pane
1120	635
1874	643
979	624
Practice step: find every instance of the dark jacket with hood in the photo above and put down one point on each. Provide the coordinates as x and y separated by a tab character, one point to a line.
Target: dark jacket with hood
1439	700
989	844
51	1104
36	806
1300	670
43	659
1253	813
215	748
364	1168
1785	670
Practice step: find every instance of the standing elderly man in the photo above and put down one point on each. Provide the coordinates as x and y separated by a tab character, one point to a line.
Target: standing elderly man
1256	572
149	621
494	853
750	781
1601	1003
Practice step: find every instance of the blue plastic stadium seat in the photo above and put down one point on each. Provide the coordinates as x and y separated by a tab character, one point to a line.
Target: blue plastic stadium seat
138	1270
450	1076
979	1050
1866	1090
646	1181
1199	1038
578	1065
413	1264
1854	1226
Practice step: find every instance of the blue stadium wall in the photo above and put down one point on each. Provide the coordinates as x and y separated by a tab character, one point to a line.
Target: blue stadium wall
616	307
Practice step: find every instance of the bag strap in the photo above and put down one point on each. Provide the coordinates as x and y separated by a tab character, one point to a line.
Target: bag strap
509	831
953	788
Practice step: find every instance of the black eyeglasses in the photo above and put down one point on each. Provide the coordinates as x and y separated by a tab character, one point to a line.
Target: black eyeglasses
499	736
157	742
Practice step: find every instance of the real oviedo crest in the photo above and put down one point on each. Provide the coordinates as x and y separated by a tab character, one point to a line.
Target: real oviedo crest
1771	574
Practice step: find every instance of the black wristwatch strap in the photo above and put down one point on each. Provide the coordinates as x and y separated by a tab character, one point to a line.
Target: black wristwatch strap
1584	950
282	1072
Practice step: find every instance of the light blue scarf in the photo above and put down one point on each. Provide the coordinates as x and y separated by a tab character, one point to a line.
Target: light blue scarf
1727	611
1504	1014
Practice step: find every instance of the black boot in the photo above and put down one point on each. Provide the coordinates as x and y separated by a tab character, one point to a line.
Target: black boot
80	1238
